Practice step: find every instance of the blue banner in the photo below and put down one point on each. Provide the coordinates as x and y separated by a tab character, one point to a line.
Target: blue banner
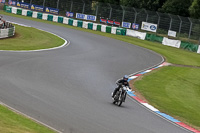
23	5
80	16
86	17
70	14
37	8
12	3
126	24
52	10
2	1
135	26
91	17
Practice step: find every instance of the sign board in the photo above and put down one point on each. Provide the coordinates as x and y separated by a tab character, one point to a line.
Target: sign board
52	10
12	3
23	5
37	8
2	1
110	22
149	27
126	24
80	16
117	23
198	51
171	33
135	26
103	20
86	17
70	14
91	18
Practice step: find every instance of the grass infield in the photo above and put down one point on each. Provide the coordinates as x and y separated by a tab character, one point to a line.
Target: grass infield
173	90
11	122
28	38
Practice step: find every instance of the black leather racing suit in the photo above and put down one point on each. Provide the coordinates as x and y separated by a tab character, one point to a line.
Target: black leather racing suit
120	83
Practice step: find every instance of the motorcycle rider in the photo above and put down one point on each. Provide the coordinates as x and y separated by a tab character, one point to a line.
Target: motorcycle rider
121	82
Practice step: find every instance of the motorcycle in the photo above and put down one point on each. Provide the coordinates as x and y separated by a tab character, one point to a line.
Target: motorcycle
120	96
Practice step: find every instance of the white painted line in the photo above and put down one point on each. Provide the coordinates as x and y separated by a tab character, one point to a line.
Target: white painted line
150	107
148	71
16	111
133	77
19	24
66	43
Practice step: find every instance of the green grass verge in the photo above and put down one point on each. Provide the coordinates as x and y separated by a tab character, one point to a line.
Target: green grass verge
28	38
11	122
172	55
175	91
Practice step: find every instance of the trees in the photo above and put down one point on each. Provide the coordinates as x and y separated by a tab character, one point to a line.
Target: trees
195	9
177	7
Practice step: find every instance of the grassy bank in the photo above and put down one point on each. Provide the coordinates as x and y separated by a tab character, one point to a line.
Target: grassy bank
28	38
175	91
11	122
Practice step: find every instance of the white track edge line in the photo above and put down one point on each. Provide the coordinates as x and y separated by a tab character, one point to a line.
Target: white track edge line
66	43
23	114
158	64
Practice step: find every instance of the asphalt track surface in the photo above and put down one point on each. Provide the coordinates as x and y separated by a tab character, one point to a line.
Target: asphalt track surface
70	88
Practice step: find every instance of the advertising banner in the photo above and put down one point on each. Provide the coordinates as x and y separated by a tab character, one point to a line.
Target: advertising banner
12	3
70	14
135	26
103	20
2	1
80	16
110	22
37	8
171	33
172	43
86	17
136	34
52	10
117	23
23	5
126	24
91	17
149	27
198	51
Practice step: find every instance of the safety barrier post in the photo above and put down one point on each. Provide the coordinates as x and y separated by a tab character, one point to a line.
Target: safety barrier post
44	3
190	29
170	26
83	7
71	6
97	10
135	15
57	4
123	13
110	11
147	15
179	32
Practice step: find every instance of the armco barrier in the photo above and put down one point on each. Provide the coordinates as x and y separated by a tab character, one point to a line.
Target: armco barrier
102	28
8	32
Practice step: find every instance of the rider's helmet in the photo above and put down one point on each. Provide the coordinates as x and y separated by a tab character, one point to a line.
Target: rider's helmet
125	77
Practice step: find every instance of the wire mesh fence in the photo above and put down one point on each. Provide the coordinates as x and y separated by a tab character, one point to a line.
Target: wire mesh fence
186	28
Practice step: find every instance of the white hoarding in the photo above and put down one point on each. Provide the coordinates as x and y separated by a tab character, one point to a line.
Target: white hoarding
149	27
171	33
